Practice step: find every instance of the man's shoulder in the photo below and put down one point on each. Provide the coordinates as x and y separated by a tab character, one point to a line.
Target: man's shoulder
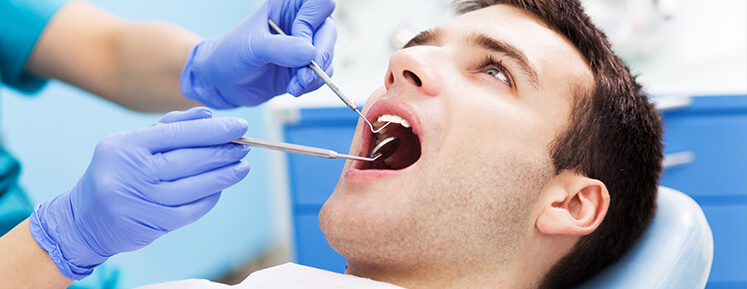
288	275
291	275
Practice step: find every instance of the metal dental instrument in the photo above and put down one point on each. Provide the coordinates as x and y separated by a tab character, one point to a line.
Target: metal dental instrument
296	149
318	70
385	148
299	149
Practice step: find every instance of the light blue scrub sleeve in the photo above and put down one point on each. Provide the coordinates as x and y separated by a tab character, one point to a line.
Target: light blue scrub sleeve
21	23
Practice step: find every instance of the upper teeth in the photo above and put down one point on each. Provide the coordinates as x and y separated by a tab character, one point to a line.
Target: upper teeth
393	119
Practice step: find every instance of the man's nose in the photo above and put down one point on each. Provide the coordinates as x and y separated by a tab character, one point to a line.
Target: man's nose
415	67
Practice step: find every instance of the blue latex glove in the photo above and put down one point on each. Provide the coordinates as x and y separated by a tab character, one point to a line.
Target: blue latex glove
249	64
140	185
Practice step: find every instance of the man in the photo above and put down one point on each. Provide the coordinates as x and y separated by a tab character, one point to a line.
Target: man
532	160
529	157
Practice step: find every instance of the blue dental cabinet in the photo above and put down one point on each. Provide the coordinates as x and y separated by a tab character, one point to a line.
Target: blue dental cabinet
331	128
705	143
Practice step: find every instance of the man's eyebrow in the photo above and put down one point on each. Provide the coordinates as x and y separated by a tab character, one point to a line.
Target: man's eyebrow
431	36
486	42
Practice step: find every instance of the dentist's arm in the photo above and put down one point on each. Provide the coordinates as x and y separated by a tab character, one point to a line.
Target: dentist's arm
151	67
24	264
139	186
135	65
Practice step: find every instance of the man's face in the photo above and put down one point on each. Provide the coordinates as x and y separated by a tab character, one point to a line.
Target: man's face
485	94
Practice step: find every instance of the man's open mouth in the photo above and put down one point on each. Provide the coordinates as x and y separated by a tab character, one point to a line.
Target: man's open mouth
408	152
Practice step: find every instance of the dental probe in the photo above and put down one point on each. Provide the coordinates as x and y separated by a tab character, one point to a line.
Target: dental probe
297	149
318	70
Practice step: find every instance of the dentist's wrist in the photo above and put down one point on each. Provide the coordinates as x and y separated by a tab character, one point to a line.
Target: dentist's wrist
54	230
194	83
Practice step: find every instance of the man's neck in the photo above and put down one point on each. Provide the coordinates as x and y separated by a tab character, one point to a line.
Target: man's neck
456	276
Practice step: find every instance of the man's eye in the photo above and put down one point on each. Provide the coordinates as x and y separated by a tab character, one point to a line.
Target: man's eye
498	74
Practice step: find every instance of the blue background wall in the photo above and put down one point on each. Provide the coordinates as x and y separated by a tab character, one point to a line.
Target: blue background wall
54	133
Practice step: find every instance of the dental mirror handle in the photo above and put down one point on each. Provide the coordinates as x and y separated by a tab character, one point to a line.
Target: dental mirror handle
296	149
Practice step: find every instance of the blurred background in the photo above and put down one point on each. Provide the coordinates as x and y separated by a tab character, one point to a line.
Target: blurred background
689	50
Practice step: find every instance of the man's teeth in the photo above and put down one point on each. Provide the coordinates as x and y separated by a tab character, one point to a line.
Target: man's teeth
381	136
391	118
388	161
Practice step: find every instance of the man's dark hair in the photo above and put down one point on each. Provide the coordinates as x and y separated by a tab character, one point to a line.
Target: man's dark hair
614	135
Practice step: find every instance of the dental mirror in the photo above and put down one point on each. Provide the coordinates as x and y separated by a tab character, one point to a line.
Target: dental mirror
386	148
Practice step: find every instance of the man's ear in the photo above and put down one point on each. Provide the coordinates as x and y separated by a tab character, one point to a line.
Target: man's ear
572	204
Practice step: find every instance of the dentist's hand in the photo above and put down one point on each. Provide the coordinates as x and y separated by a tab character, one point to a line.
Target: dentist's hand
140	185
250	64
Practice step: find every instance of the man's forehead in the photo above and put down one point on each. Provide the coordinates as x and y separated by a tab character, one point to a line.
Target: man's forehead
507	23
502	10
480	20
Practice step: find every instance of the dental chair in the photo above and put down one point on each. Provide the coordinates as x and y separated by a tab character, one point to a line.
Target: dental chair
675	252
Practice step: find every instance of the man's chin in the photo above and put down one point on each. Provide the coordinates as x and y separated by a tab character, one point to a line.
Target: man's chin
348	234
337	225
347	217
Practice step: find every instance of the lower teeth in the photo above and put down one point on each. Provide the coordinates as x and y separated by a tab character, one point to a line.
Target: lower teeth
388	161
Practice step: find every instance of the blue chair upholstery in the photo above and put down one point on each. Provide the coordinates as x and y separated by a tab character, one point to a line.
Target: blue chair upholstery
675	252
